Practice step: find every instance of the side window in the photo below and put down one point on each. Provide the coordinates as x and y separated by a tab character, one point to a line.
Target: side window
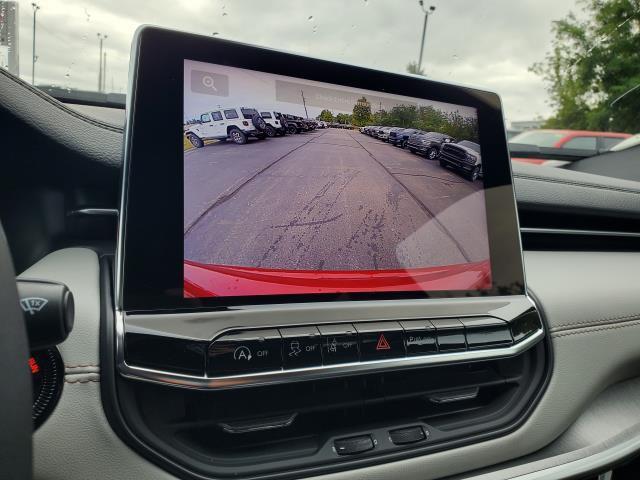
265	114
216	116
230	114
584	143
607	142
205	118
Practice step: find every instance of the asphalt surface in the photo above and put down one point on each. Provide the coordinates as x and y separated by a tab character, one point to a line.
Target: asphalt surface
328	200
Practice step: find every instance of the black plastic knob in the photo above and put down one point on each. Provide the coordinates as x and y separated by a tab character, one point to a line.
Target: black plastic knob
48	311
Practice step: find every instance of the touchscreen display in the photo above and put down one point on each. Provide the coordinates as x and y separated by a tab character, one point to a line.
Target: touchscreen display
293	186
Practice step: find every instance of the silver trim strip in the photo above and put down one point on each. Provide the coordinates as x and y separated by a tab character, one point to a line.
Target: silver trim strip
109	212
310	373
567	231
281	422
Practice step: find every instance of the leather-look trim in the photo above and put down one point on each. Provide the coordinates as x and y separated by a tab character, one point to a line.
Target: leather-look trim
31	90
560	191
89	139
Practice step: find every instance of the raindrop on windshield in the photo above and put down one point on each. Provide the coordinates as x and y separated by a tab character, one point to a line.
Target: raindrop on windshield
315	28
455	58
224	14
215	33
310	18
366	2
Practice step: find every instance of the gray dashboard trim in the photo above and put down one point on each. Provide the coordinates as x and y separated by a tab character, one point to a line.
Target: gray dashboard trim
605	434
557	190
77	441
99	142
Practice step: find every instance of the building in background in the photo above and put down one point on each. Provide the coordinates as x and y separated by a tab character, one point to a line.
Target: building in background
9	46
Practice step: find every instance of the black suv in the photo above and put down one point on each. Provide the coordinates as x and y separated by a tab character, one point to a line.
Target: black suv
295	124
429	143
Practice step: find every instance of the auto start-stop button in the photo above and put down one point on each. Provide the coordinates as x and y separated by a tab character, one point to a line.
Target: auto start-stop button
245	352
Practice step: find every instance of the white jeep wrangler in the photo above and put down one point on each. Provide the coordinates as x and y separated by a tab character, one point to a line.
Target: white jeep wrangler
235	123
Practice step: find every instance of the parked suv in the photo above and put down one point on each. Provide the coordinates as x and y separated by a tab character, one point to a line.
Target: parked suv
429	143
296	124
235	123
400	137
276	124
464	157
385	132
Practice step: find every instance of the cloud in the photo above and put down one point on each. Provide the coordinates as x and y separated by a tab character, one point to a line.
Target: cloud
489	44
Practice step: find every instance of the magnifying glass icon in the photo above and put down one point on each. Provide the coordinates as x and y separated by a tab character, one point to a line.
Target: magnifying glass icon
207	81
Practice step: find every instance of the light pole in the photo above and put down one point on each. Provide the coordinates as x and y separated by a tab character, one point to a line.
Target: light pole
304	102
101	38
35	7
104	70
427	12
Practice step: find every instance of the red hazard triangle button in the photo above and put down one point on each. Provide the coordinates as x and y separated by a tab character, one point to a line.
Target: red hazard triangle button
383	344
380	340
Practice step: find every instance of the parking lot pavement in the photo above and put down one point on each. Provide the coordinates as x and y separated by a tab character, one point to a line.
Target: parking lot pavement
329	199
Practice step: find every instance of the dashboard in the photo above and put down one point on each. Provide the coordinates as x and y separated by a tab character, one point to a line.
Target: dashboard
324	365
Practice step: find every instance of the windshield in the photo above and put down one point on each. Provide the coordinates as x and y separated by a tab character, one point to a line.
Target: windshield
561	64
471	145
248	112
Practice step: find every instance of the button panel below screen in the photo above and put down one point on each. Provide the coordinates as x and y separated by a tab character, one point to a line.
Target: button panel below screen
310	346
298	348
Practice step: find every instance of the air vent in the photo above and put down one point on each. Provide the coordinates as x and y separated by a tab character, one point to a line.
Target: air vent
275	429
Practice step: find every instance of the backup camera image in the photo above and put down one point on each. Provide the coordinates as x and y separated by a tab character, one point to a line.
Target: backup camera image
294	186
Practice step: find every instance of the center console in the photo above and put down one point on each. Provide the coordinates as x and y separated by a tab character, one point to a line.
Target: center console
295	295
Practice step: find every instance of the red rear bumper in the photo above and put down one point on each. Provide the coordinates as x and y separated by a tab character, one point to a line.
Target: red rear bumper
202	280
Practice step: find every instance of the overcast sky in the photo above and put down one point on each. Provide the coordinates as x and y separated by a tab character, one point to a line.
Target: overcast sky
484	43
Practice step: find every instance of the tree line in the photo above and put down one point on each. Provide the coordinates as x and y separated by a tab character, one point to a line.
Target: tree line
429	119
593	70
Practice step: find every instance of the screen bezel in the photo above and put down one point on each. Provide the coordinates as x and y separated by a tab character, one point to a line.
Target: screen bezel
150	272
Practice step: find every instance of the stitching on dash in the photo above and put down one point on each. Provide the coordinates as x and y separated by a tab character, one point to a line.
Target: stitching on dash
62	107
634	316
591	330
82	365
88	380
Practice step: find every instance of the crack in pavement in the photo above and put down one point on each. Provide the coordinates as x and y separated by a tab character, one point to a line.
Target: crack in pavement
426	209
304	244
307	224
336	144
226	196
446	180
